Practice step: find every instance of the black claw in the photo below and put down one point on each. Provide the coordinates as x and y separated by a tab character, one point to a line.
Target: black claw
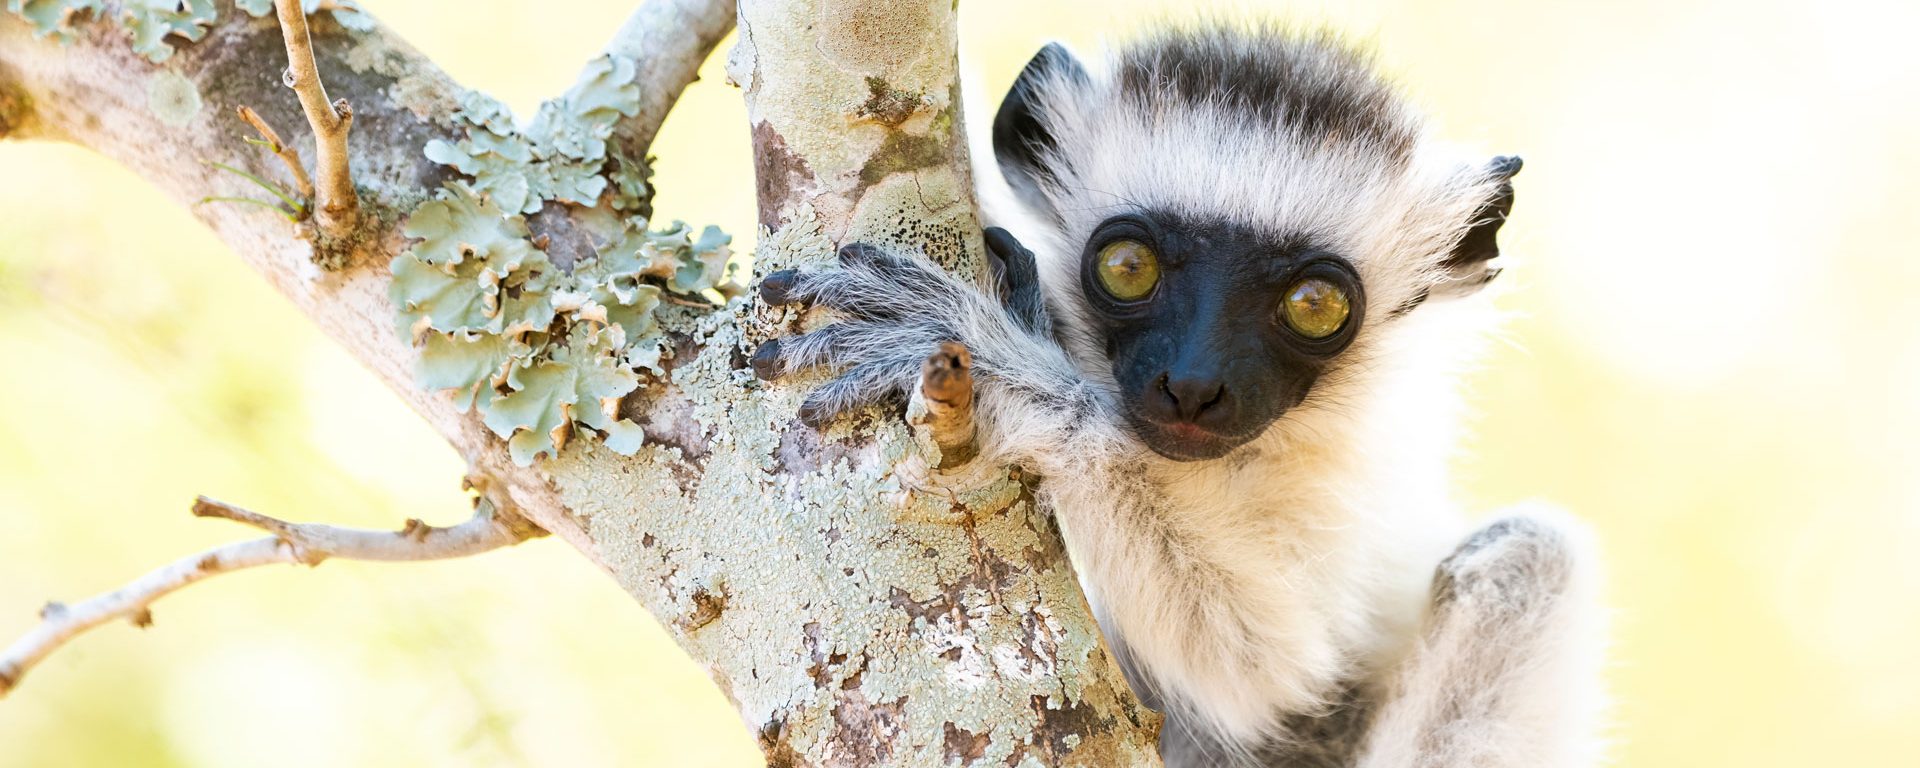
1002	242
1506	166
777	288
1018	279
766	361
814	416
853	253
997	269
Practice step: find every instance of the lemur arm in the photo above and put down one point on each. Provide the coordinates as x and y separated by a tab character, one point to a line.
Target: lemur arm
1502	673
1032	404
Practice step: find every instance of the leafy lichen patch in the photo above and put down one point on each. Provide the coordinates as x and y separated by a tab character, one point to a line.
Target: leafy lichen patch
545	350
173	98
561	155
155	26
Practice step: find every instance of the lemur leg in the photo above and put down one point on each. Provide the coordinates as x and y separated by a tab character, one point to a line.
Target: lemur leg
1506	671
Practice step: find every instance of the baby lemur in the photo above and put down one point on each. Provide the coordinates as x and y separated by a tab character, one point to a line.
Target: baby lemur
1226	346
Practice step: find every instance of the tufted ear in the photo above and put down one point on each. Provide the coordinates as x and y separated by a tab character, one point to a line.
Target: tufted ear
1021	138
1470	265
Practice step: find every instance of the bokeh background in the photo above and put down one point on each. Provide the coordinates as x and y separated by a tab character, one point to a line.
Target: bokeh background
1714	358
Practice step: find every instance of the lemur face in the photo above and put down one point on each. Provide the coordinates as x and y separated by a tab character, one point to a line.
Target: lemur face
1228	218
1213	331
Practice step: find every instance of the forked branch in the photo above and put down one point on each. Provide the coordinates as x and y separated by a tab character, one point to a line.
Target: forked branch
291	543
337	203
301	182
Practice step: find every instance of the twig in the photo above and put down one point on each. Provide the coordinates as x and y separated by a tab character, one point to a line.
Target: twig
667	40
301	183
946	384
291	543
337	203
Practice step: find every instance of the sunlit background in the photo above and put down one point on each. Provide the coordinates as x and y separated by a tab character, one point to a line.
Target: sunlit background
1714	359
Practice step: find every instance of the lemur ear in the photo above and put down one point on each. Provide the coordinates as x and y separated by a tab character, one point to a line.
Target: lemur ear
1470	265
1021	138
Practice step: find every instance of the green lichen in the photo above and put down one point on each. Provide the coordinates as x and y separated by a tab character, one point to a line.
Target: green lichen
561	154
153	23
534	348
544	352
173	98
53	18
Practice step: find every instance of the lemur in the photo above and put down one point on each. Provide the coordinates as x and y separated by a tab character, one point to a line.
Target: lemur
1226	346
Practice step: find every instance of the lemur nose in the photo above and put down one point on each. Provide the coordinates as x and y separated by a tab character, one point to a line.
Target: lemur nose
1192	395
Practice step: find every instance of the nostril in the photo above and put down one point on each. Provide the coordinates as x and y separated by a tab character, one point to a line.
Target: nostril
1218	392
1192	397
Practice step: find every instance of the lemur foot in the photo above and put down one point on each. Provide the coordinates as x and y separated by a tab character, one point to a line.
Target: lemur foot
1506	671
1514	566
899	310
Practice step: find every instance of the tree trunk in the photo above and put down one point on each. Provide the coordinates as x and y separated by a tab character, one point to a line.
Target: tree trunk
856	607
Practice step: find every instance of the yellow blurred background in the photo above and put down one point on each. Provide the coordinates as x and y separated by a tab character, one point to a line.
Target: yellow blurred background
1713	358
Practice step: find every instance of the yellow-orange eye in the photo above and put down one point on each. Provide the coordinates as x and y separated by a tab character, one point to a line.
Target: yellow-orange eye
1128	270
1316	308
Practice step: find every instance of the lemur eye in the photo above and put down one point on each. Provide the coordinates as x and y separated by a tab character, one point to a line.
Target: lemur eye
1128	270
1315	308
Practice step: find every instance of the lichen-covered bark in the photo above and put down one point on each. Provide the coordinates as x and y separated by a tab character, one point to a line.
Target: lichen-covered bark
856	612
960	590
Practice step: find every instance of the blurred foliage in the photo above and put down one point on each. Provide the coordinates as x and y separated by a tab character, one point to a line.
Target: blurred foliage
1709	358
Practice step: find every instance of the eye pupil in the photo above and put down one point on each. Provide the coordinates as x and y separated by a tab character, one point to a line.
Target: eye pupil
1316	308
1128	270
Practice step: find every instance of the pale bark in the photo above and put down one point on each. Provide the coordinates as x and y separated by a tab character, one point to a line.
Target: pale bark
857	607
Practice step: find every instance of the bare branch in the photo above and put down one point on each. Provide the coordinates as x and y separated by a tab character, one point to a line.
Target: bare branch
291	543
331	121
301	183
946	384
667	40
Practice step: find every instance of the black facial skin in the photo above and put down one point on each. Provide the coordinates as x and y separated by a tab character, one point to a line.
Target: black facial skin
1205	363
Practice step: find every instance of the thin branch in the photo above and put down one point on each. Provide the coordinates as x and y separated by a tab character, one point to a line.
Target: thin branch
668	40
301	183
291	543
946	384
331	121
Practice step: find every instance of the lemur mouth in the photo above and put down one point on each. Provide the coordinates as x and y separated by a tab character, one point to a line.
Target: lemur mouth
1186	441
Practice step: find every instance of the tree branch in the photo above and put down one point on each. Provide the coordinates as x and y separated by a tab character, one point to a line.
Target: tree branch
338	205
291	543
668	40
302	184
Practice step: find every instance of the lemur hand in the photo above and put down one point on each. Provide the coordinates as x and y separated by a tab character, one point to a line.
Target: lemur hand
899	309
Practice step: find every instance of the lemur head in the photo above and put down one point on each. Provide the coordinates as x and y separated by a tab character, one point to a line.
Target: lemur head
1230	216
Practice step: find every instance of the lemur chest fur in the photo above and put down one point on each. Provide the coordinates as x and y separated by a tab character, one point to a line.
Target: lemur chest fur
1242	589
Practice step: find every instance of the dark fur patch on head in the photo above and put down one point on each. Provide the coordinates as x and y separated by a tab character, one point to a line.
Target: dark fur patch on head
1021	138
1311	84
